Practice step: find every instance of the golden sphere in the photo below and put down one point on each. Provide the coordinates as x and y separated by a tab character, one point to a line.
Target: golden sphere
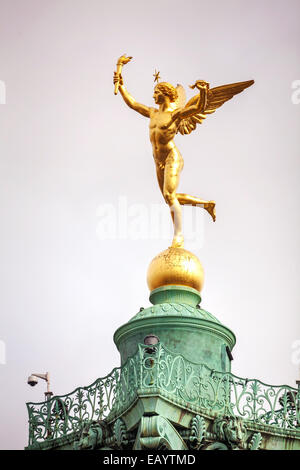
175	266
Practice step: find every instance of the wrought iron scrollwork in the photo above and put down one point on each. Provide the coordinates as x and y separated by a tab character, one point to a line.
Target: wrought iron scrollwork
182	381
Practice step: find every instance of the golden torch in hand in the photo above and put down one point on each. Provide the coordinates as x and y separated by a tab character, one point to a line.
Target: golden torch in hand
122	61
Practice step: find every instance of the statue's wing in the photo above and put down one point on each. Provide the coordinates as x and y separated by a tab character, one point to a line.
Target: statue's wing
181	98
215	98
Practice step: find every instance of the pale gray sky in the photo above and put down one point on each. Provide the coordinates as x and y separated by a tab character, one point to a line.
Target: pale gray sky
68	146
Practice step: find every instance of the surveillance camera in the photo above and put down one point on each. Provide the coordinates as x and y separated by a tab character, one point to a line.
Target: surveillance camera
32	381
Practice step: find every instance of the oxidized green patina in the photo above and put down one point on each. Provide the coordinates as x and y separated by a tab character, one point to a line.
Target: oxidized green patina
172	378
177	394
181	325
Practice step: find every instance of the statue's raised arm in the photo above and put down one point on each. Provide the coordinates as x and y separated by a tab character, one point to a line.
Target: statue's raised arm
119	85
215	98
195	107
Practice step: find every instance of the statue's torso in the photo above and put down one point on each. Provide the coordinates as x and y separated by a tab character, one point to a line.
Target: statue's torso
162	131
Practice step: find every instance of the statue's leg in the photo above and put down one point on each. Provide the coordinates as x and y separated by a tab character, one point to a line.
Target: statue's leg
160	174
186	199
173	167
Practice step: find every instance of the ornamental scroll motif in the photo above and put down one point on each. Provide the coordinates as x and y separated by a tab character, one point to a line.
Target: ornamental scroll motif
156	432
197	432
173	376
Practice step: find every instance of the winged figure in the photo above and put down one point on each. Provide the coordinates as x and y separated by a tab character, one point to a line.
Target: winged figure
171	116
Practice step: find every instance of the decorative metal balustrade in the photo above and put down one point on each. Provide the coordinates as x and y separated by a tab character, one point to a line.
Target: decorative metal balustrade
154	370
66	414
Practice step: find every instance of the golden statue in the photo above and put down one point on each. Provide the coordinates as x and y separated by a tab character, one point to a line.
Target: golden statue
173	115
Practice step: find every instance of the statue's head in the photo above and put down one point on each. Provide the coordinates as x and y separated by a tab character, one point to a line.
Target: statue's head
165	89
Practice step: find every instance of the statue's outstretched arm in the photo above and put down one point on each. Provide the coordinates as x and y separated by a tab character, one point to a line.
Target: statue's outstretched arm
198	107
129	100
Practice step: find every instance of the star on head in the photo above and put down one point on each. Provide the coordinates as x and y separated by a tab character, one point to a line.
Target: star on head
156	76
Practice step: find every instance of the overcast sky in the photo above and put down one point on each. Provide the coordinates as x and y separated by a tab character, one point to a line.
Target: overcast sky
78	183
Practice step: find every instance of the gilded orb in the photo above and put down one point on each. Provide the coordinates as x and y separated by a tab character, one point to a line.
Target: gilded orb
175	266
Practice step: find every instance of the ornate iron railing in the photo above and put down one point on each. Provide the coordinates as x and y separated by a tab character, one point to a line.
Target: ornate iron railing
154	369
222	392
65	414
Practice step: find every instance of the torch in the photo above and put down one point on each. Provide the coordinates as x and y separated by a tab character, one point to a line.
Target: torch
122	61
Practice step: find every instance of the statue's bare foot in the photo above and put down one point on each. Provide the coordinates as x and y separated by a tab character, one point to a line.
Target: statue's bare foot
178	241
210	206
